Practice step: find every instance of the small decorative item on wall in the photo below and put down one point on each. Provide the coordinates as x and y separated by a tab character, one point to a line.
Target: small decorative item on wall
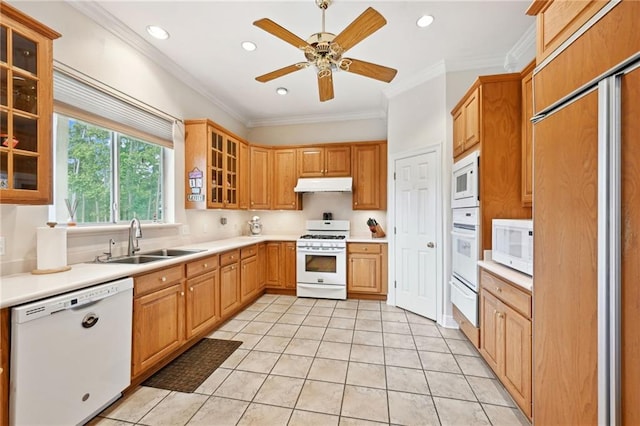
72	206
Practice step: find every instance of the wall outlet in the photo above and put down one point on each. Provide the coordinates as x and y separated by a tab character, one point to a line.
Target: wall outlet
223	220
204	228
186	230
2	247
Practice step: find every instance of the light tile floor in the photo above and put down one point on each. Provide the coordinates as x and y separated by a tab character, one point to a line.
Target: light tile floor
326	362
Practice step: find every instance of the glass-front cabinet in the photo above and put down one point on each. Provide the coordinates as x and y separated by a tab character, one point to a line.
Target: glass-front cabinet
223	170
26	104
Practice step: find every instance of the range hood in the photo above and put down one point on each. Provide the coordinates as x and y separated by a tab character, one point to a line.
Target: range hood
338	184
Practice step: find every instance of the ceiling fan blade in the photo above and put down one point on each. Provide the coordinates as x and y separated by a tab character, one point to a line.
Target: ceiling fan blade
325	86
368	69
362	27
282	33
282	71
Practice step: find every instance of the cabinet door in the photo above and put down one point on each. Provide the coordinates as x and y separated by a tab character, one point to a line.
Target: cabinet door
337	161
248	278
260	185
516	367
272	278
527	139
203	301
288	273
472	119
262	266
310	161
229	289
285	178
158	326
490	330
369	176
27	103
458	133
244	176
215	169
364	273
231	168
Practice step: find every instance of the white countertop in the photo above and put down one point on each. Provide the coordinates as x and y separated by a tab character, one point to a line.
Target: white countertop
22	288
366	239
511	275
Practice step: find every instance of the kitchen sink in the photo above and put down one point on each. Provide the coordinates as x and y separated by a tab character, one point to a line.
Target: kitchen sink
135	260
171	252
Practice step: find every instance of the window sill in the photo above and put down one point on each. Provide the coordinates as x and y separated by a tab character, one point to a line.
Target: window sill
104	229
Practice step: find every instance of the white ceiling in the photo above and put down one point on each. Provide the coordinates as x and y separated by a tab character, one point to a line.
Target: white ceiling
205	48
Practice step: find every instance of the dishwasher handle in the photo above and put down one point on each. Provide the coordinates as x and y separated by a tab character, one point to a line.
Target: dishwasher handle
90	320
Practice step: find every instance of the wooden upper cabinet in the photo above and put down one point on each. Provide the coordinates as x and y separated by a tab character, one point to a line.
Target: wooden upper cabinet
557	20
212	166
458	133
325	161
243	176
284	180
527	135
471	114
466	123
369	165
260	180
26	108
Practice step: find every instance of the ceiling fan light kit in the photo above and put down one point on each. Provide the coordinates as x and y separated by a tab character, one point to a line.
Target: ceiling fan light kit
324	50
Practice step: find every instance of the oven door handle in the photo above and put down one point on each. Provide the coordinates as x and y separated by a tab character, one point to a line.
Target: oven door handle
320	250
466	292
465	235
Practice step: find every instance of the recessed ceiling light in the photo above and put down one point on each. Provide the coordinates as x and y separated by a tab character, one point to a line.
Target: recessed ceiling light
157	32
424	21
249	46
282	91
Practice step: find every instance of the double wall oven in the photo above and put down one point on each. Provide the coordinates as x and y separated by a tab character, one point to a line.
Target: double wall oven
321	261
465	237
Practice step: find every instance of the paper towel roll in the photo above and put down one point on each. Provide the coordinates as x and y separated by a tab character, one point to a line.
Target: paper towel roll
52	248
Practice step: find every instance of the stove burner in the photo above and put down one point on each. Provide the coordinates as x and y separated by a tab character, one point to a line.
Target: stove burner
322	237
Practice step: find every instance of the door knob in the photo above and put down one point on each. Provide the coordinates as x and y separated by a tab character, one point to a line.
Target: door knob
431	244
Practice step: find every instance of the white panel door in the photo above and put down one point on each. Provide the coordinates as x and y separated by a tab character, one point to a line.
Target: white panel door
415	238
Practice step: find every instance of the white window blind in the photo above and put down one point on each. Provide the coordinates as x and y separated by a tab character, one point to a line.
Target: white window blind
109	108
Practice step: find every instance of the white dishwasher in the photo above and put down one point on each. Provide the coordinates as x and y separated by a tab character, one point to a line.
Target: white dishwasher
70	355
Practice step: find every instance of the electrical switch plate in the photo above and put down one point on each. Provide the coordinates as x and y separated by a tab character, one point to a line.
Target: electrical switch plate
185	230
2	249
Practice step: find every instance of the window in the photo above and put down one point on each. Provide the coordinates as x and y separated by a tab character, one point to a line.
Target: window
109	176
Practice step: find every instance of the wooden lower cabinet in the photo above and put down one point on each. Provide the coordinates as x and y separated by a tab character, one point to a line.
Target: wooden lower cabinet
367	268
158	326
203	295
281	265
262	266
505	341
229	289
248	278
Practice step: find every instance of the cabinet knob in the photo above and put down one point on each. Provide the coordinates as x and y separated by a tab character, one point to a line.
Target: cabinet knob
356	203
500	315
163	279
190	288
366	248
495	312
206	265
498	289
182	293
233	267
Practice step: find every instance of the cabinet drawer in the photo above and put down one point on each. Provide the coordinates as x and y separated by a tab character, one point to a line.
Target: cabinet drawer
248	251
373	248
506	292
156	280
201	266
229	257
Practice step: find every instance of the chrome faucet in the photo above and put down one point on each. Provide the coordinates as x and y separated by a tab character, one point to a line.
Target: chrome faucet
135	224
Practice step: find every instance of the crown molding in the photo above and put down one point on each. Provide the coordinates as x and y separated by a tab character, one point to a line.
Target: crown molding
116	27
310	119
471	63
524	47
416	79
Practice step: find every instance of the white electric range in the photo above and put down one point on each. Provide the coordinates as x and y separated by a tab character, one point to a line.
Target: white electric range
321	262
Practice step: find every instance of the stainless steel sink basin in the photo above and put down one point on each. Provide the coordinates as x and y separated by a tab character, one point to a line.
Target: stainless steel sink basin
171	252
135	260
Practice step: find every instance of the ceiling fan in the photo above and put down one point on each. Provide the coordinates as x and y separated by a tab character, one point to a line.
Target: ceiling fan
324	50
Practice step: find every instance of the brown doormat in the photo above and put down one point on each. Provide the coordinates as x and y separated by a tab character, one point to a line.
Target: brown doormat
187	372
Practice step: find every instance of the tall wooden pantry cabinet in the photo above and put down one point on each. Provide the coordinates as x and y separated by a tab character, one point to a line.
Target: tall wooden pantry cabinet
586	214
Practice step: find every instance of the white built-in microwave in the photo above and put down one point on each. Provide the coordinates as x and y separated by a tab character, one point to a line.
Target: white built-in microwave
512	243
464	186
